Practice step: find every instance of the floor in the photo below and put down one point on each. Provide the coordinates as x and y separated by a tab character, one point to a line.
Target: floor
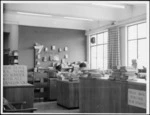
52	107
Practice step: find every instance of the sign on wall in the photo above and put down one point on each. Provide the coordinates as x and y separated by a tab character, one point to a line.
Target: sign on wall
14	75
137	98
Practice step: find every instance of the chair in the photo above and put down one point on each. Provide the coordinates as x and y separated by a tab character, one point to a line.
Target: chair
15	107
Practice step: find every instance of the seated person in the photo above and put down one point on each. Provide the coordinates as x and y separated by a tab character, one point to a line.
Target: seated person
82	66
59	74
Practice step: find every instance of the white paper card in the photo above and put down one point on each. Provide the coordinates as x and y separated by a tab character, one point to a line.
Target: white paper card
137	98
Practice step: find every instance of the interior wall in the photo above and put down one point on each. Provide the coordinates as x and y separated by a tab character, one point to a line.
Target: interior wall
75	40
122	45
6	40
12	30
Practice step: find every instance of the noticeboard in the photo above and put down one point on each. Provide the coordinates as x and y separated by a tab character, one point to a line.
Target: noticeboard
137	98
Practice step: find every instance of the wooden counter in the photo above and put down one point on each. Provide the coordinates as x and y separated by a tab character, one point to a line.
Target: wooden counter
20	93
105	96
68	93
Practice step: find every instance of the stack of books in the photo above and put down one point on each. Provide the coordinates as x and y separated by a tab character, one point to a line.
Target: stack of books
115	74
127	72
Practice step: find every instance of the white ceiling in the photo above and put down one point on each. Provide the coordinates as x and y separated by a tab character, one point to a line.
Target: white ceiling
100	14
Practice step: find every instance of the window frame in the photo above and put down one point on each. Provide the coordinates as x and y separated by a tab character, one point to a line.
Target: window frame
96	45
137	39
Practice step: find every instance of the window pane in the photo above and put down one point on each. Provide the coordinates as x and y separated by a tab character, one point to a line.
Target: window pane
93	57
132	51
132	32
95	40
106	37
105	64
100	57
142	30
105	57
142	50
105	51
100	38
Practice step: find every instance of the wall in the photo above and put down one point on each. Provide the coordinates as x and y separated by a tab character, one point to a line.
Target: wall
12	30
122	46
6	40
75	40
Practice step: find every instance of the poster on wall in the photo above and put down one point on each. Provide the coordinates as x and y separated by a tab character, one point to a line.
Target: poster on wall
137	98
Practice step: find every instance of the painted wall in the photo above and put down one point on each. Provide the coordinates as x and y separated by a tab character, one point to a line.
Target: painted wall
122	46
12	40
75	40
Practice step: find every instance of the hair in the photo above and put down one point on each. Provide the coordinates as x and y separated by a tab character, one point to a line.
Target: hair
58	67
82	65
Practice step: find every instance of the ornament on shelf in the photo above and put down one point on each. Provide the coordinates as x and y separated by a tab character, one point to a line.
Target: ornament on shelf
44	59
38	63
46	49
53	47
66	49
59	49
56	58
38	56
66	56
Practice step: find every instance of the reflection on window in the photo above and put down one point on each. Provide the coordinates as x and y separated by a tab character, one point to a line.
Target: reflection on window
137	44
99	51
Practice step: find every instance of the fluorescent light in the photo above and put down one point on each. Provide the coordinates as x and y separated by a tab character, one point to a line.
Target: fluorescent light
109	5
35	14
75	18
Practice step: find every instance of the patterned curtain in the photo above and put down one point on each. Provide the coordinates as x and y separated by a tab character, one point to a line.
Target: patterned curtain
113	47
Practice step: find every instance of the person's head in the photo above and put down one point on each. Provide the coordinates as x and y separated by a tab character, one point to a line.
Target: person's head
82	66
58	67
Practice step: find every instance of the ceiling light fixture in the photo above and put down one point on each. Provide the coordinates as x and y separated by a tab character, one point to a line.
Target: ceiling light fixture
110	5
75	18
35	14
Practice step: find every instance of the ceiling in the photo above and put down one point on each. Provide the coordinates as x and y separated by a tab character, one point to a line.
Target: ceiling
100	15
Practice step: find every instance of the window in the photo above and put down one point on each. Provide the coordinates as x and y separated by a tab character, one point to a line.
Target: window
99	51
136	44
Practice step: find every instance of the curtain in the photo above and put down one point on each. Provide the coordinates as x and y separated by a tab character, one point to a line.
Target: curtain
113	47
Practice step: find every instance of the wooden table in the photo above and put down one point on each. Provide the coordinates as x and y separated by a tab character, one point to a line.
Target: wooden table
68	93
20	93
105	96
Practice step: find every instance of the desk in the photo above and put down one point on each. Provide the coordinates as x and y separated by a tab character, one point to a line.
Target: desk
20	94
68	93
105	96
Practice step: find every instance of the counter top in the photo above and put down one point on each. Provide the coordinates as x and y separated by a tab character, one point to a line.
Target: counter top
19	85
138	81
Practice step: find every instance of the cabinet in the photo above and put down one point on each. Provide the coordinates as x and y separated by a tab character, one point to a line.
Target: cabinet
20	94
41	86
52	89
105	96
68	93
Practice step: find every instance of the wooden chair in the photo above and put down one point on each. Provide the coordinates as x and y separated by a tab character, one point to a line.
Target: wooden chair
15	107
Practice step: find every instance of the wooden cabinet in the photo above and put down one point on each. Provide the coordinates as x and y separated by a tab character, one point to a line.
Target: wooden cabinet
105	96
20	94
52	89
41	86
44	87
68	93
